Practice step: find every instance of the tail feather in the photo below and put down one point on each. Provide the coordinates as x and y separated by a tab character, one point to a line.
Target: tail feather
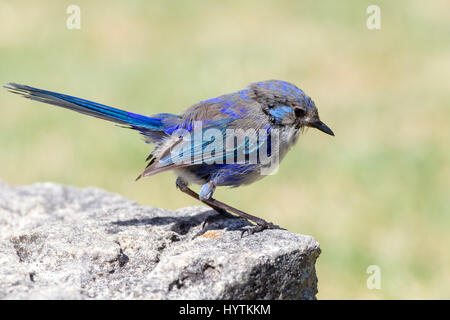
135	121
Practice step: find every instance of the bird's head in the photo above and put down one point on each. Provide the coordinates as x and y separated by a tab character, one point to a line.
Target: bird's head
287	105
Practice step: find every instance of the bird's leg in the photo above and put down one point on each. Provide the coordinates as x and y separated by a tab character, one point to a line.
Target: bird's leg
261	224
222	208
180	184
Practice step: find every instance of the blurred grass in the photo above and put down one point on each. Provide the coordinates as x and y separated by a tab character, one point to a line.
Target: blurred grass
376	194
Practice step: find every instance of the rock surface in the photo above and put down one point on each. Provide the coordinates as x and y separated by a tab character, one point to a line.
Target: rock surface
59	242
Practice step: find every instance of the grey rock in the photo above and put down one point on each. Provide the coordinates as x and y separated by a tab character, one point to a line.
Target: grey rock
59	242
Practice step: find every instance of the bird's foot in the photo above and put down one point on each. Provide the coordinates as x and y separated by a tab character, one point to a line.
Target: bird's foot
259	228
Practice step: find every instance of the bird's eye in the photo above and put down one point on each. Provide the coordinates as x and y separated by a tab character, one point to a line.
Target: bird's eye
299	112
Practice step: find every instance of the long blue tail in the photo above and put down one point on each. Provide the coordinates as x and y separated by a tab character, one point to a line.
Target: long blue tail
146	125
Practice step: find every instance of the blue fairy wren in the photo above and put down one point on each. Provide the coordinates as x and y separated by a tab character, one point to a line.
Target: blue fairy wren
264	121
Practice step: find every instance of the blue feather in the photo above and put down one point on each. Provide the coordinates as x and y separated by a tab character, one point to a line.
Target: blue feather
91	108
279	112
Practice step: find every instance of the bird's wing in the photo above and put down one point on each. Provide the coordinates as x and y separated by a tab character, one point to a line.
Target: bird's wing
188	151
199	146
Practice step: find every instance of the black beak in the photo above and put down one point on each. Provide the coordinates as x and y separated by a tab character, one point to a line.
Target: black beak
322	127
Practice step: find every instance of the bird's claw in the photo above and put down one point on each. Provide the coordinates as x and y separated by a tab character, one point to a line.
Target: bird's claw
259	228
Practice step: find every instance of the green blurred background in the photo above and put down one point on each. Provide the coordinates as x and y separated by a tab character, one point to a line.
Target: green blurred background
376	194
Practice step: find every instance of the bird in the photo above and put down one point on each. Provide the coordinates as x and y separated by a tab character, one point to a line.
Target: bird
231	140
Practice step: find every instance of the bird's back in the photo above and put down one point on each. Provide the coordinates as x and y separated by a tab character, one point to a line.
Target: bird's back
234	109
